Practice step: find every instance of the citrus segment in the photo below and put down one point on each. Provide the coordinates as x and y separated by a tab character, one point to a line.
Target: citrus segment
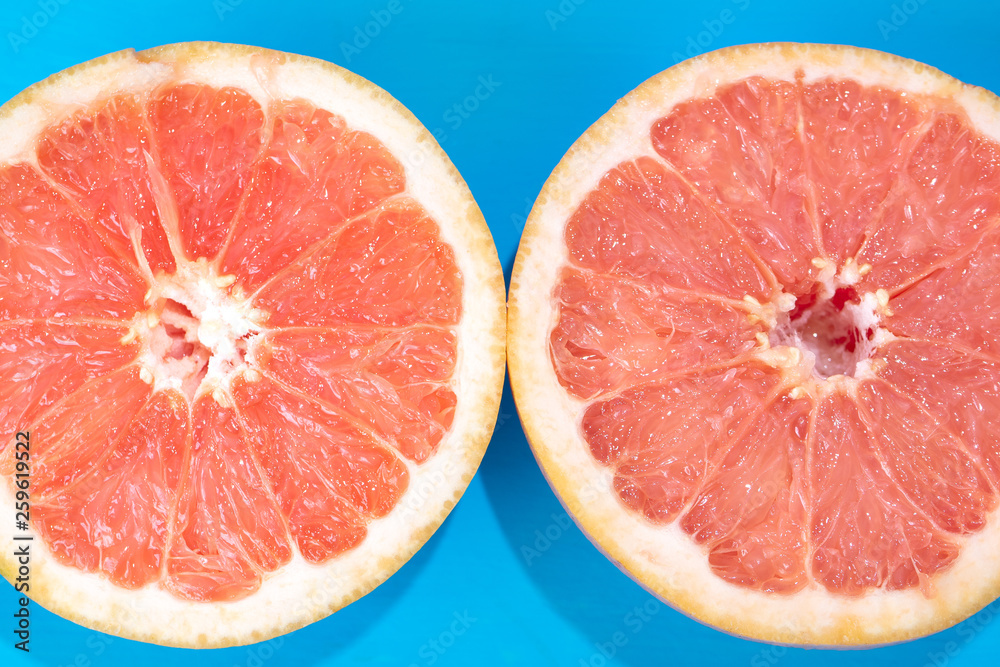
741	149
751	511
328	474
927	463
388	268
75	433
865	532
661	459
652	332
43	361
207	138
943	201
396	381
867	134
240	330
101	160
115	519
643	221
314	174
958	388
228	529
958	302
752	331
55	265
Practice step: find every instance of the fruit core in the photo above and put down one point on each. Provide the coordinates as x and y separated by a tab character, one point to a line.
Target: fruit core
833	327
196	332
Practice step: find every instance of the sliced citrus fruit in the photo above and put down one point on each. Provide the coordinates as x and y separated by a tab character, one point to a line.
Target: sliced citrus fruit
253	325
753	341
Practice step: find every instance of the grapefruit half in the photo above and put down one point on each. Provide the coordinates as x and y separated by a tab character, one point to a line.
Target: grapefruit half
754	339
252	323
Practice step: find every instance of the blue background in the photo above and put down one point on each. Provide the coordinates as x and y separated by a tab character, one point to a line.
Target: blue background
556	68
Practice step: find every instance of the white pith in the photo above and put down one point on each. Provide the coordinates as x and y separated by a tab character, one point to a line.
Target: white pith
299	592
663	558
223	318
